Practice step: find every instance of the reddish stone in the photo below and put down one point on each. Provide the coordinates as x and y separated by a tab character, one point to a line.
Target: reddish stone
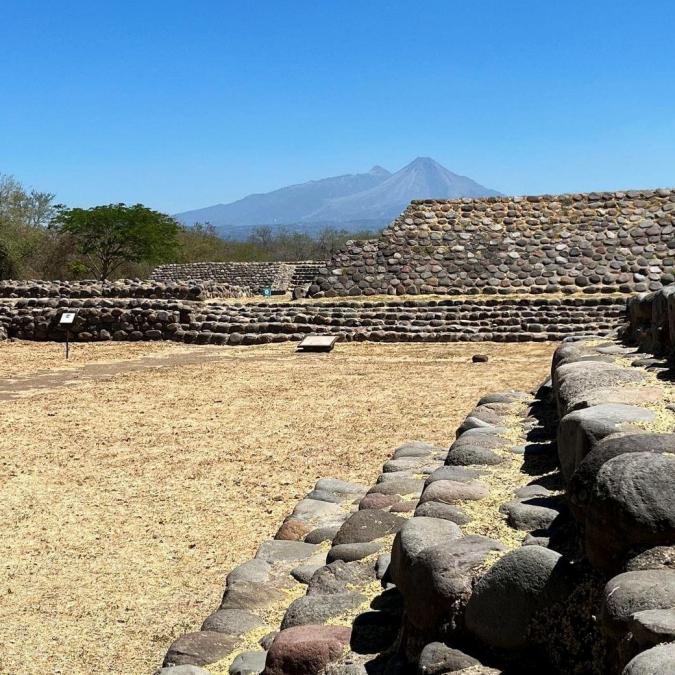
292	530
306	650
378	501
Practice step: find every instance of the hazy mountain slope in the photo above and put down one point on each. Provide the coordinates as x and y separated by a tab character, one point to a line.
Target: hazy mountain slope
423	178
285	205
351	202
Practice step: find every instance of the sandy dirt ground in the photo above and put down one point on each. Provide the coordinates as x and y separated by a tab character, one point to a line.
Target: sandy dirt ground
127	497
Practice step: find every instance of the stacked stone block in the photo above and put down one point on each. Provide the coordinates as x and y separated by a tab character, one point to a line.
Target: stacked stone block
263	323
593	243
121	288
279	276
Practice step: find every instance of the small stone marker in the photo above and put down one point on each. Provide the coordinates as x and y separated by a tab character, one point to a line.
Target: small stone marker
479	358
317	343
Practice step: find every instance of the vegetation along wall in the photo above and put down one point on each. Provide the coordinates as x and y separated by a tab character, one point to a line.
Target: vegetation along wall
593	243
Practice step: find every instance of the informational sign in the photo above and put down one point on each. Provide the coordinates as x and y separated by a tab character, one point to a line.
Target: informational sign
67	318
267	291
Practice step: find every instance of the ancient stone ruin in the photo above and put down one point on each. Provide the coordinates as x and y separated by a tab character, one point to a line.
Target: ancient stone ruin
604	242
280	277
541	541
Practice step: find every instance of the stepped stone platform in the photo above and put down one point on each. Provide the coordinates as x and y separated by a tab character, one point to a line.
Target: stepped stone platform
600	242
280	277
121	288
542	540
503	320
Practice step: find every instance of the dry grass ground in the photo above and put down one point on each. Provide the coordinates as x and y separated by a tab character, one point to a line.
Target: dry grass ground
125	501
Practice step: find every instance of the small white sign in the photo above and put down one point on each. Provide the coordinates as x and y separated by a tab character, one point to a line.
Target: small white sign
67	318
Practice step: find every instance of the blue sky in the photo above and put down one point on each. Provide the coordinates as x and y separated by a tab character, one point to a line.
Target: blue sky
184	104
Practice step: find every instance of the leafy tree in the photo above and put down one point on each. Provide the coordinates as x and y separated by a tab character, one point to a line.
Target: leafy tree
24	216
109	236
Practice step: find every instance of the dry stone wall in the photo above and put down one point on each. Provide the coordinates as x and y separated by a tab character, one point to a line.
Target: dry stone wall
501	320
122	288
279	276
541	541
592	243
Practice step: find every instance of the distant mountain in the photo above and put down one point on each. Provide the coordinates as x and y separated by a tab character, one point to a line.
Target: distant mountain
423	178
351	202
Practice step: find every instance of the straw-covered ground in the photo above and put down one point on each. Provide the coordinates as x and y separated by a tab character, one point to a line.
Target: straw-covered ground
128	491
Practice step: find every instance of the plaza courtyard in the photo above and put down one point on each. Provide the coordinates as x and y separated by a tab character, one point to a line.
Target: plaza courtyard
135	476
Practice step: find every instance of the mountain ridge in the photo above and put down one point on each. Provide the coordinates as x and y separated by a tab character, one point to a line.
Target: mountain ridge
350	201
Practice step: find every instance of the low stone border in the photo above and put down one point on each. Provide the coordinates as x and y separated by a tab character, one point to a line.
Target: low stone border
264	323
542	541
186	289
280	277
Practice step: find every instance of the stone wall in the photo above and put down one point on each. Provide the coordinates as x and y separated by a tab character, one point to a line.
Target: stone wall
279	276
592	243
501	320
96	319
121	288
651	321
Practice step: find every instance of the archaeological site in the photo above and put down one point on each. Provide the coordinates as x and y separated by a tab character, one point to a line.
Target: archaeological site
531	530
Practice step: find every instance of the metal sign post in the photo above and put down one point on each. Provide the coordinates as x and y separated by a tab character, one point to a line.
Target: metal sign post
67	319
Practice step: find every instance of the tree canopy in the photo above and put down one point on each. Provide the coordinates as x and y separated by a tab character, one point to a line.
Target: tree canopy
111	235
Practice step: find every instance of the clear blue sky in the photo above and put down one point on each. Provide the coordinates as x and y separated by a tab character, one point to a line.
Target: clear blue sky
182	104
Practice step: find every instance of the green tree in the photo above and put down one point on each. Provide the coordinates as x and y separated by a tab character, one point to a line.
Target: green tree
109	236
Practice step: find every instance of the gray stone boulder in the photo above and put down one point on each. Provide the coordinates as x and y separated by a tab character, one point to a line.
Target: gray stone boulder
583	480
451	492
632	592
252	571
530	514
573	382
250	596
659	660
275	550
323	533
199	649
353	552
367	525
317	609
655	558
416	535
402	487
632	505
438	659
249	663
504	605
455	473
232	621
438	583
444	511
653	626
470	455
579	431
340	577
416	449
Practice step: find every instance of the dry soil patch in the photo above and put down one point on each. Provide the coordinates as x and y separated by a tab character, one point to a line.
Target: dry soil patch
126	498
